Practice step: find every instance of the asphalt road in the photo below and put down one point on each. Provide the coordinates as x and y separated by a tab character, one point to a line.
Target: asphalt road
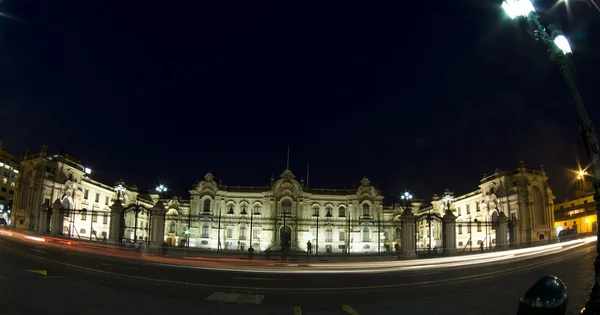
80	283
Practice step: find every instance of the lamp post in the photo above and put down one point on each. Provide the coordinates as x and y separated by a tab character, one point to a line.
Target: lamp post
405	201
447	201
559	49
120	190
162	190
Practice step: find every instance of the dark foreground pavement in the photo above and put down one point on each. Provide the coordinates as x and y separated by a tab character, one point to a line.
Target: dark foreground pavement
119	289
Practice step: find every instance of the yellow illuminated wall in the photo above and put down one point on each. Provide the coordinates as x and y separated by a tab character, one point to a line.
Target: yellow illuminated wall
584	224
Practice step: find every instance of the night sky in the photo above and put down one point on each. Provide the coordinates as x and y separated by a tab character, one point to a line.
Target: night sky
417	95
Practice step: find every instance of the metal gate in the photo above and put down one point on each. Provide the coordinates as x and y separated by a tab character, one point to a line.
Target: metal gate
429	228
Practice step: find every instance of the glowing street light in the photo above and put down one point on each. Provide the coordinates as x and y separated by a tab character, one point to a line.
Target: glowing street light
562	43
87	170
161	189
120	189
560	49
581	174
448	200
516	8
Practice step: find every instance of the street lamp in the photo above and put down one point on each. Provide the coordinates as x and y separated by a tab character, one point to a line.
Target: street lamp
120	189
161	189
406	197
559	49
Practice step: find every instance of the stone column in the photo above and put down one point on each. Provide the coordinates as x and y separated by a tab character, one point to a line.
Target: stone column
408	233
157	236
449	232
57	218
43	224
502	231
116	213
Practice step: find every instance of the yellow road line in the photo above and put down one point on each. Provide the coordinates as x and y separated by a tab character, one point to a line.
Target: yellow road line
349	310
42	272
297	310
385	286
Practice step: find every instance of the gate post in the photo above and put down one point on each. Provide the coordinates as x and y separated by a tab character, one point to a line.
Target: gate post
502	231
408	233
57	218
449	231
157	236
43	224
116	211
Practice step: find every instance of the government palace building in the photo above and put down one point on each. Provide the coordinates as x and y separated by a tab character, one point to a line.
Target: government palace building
283	213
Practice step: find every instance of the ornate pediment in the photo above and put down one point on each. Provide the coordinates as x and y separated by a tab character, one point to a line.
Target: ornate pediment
287	186
174	203
208	186
366	191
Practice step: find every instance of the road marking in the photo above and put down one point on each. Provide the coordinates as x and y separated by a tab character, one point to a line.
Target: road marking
348	309
237	298
132	268
297	310
274	279
386	286
38	250
41	272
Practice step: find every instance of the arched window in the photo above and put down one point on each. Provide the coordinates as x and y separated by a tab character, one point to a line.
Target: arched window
328	212
207	205
230	208
244	207
205	230
398	233
366	210
257	209
341	212
286	206
315	211
172	227
366	234
243	231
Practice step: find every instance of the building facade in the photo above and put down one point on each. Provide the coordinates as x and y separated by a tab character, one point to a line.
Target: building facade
46	179
285	213
578	213
522	194
10	167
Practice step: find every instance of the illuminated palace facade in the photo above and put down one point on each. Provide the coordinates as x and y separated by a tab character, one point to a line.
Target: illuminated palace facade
522	194
46	179
287	213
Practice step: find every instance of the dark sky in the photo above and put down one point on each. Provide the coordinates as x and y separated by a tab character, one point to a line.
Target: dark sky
418	95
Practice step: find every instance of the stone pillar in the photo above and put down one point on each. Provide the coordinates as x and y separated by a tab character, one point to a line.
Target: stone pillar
43	224
157	236
502	231
449	230
57	218
408	234
516	233
116	212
